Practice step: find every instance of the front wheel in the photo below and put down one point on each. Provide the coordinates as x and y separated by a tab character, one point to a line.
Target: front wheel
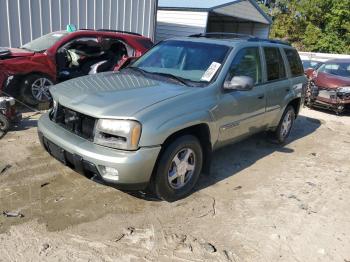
178	168
285	125
35	89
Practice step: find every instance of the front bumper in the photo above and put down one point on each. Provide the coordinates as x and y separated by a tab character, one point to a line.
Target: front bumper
331	98
134	167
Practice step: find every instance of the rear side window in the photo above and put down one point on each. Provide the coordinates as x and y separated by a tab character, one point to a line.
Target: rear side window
274	64
296	67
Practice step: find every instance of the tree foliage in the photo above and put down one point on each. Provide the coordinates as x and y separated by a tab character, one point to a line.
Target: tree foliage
311	25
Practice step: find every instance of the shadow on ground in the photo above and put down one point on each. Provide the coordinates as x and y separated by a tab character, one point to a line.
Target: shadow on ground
25	123
232	159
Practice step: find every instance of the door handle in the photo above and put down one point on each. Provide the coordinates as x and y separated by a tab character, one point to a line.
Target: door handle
261	96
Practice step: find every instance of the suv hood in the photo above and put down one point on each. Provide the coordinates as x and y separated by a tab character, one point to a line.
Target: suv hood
113	95
331	81
6	53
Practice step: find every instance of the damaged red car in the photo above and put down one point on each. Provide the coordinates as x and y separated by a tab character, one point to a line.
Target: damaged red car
28	71
330	86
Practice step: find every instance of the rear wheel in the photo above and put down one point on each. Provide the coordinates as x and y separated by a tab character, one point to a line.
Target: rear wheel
178	169
285	125
35	89
4	125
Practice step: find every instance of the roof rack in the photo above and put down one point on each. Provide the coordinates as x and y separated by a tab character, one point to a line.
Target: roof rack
111	30
224	35
274	41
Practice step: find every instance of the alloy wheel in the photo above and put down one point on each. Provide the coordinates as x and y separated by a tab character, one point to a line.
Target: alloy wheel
182	168
286	124
40	89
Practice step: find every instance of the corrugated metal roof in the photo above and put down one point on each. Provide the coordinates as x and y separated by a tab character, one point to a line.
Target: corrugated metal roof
194	4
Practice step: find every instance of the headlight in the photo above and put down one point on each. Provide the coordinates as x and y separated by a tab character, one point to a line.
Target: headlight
120	134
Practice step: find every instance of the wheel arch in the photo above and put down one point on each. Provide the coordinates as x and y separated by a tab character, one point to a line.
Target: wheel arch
14	86
202	133
295	103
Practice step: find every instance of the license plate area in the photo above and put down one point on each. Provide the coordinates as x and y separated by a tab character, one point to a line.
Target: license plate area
56	152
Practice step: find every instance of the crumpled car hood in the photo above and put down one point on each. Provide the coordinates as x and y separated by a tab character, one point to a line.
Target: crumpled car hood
6	53
331	81
113	95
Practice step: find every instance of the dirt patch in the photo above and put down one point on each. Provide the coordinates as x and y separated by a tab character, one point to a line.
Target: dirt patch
261	202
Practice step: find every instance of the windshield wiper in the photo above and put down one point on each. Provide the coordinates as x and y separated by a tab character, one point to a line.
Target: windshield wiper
144	72
177	78
137	69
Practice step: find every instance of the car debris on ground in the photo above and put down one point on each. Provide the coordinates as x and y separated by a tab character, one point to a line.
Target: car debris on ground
12	214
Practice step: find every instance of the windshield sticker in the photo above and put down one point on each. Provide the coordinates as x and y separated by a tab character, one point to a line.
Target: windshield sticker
211	71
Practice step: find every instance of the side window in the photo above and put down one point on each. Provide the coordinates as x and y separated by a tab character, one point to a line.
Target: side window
296	67
274	64
246	63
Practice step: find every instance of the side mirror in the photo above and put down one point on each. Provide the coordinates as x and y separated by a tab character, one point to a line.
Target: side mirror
242	83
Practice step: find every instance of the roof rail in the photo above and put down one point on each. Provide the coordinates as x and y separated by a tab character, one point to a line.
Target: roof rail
224	35
274	41
111	30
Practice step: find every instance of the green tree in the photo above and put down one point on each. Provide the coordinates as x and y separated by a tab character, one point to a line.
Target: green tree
312	25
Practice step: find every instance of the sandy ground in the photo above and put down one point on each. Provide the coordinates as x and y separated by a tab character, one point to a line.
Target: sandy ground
262	202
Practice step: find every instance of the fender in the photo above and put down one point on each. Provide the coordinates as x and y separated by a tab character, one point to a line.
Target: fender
158	134
292	95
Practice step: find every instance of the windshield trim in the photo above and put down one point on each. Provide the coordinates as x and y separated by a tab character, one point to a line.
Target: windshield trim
201	83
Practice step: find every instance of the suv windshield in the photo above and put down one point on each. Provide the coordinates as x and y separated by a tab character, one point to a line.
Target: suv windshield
336	68
42	43
192	61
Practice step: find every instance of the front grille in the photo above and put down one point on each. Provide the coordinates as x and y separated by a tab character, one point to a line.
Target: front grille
78	123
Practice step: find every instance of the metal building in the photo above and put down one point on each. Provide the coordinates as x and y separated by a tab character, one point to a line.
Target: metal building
185	17
24	20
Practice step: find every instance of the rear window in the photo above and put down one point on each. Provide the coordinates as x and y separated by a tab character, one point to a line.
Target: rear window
274	64
295	64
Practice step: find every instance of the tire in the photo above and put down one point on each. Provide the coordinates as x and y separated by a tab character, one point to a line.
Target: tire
4	125
285	125
175	179
34	89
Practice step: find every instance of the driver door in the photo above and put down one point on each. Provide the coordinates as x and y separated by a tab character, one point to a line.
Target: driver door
242	112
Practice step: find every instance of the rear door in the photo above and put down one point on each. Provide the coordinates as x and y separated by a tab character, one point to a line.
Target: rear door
242	111
276	82
296	72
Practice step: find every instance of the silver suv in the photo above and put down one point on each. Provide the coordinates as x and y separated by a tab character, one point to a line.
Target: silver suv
156	123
